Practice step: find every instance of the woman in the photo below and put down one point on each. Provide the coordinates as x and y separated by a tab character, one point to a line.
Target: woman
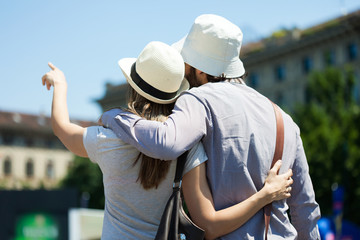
136	186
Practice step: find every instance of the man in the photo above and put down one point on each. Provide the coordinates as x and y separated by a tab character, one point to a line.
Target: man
237	127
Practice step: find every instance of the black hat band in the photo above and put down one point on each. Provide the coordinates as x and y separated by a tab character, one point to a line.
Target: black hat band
148	88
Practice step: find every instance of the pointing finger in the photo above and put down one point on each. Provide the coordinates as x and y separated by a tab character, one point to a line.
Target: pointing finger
51	66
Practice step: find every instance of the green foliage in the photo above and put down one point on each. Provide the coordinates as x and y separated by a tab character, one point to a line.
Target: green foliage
280	33
330	128
86	177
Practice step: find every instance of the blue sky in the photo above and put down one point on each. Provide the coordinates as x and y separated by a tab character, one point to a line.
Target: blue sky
85	39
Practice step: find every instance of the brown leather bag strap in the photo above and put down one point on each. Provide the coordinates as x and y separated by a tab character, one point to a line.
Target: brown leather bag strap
277	155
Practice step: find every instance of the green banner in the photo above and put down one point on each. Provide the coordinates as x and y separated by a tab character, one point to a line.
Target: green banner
37	226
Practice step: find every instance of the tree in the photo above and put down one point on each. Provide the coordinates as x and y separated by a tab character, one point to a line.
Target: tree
86	177
330	130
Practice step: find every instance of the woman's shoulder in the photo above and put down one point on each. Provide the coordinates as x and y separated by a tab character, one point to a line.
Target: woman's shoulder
101	135
103	144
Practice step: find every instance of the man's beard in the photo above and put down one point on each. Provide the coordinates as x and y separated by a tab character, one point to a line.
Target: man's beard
192	79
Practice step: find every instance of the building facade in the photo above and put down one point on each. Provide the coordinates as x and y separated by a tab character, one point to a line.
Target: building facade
31	156
279	66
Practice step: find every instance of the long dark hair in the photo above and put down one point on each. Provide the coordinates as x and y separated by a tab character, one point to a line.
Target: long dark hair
152	171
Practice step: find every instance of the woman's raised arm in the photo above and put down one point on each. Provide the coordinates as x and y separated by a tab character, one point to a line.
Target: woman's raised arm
70	134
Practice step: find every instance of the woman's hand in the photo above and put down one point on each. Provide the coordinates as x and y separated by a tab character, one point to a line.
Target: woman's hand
276	186
53	77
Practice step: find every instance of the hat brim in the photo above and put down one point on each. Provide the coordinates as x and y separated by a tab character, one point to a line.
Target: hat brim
179	44
125	65
206	64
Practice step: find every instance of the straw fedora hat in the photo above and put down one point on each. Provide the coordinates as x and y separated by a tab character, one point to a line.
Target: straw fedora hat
157	74
213	46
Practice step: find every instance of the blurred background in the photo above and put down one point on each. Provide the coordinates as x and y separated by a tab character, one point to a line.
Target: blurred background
302	55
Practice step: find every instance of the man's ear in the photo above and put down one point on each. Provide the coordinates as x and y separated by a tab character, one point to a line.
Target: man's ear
201	76
199	71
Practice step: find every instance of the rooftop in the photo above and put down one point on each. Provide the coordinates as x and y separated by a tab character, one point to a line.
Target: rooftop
286	36
29	122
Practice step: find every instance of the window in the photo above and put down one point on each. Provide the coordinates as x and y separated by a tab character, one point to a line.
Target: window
19	141
280	73
50	172
307	65
352	52
254	80
7	166
329	58
29	142
51	143
8	138
39	142
29	169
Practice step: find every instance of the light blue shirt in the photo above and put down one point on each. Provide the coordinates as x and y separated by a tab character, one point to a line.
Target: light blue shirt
237	127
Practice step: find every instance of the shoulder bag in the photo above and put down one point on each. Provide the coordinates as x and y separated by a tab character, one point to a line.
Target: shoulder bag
175	224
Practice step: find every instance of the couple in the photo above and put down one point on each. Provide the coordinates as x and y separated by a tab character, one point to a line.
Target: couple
228	127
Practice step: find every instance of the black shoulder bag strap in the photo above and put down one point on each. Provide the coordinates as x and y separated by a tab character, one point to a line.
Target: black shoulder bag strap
180	164
174	222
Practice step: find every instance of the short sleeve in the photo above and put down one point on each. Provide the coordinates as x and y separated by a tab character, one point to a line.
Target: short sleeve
90	142
196	156
98	140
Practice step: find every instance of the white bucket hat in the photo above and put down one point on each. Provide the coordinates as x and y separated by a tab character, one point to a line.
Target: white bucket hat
213	46
157	74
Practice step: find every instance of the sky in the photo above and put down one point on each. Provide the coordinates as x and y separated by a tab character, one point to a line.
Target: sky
86	38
